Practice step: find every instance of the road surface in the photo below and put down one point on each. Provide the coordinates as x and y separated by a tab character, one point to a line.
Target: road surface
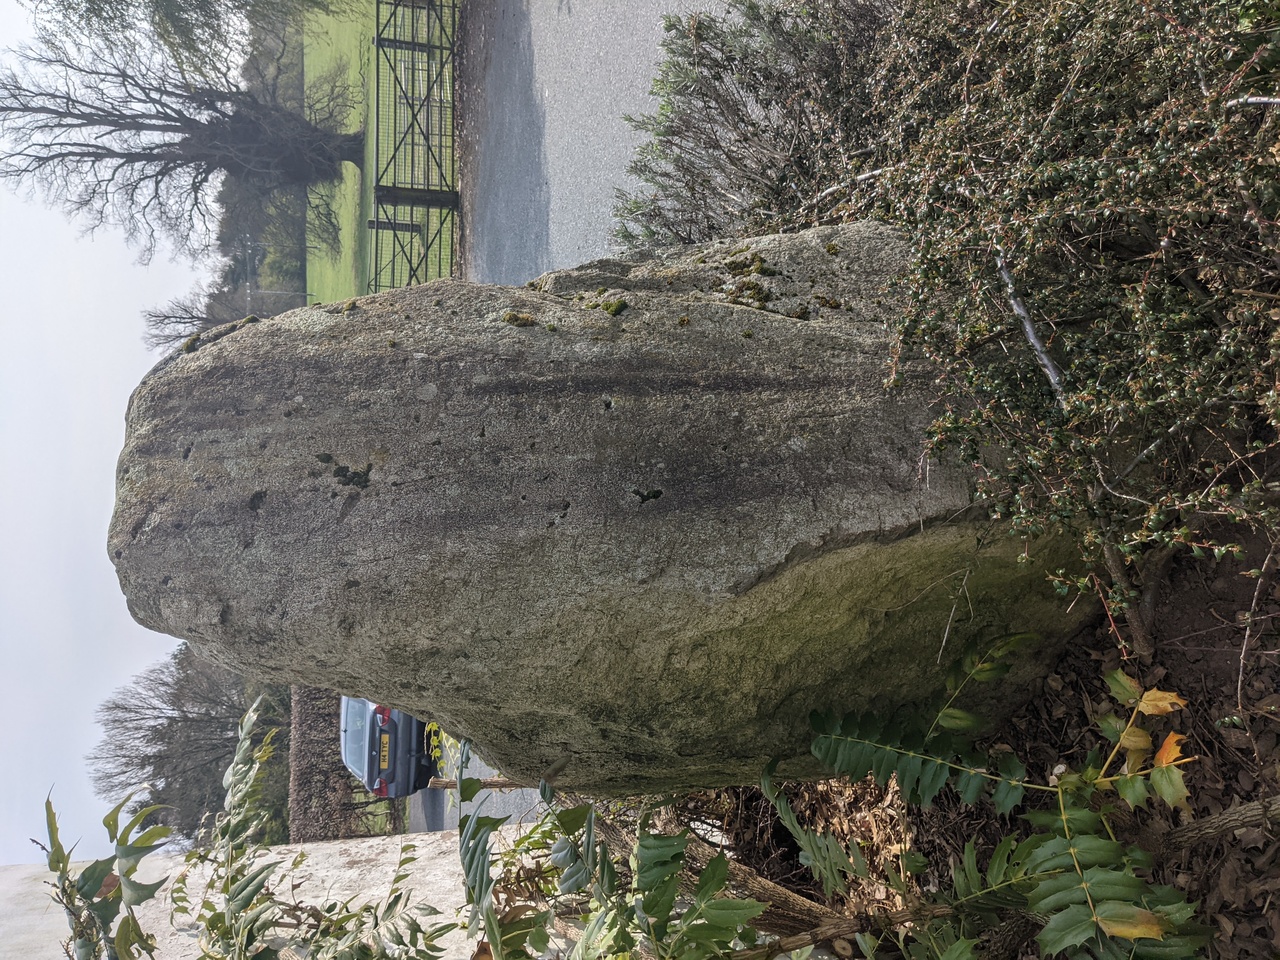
543	86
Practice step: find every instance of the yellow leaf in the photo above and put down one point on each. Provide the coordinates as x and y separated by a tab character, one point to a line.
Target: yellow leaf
1159	702
1169	750
1131	923
1135	738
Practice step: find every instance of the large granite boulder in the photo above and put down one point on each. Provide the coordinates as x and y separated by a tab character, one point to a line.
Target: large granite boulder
629	525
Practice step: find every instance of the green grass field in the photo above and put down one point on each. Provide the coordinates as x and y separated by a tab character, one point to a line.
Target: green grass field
343	42
332	42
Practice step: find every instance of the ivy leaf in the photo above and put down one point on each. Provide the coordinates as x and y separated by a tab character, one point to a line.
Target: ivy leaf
1123	687
1170	750
1129	921
1160	702
1167	782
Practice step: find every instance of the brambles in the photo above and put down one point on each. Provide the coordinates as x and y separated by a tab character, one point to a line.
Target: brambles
94	898
1090	195
1095	274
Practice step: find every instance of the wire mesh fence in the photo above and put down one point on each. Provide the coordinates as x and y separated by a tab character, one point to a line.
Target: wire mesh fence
415	197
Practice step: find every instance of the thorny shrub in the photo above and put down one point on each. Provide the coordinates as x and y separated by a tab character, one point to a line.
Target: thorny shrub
1090	193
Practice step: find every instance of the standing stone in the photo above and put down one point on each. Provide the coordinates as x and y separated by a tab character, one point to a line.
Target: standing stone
630	524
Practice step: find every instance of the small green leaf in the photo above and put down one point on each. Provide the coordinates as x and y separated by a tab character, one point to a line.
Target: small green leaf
1111	726
914	862
1123	688
961	950
1056	892
58	858
90	879
731	913
999	864
131	941
249	886
712	879
1070	928
970	784
106	910
953	718
468	788
112	820
990	670
1008	792
573	819
133	892
1168	783
1133	788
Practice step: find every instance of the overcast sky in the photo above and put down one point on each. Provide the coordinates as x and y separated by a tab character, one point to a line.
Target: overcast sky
70	353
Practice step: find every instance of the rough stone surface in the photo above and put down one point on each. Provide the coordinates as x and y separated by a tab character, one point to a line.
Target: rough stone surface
630	524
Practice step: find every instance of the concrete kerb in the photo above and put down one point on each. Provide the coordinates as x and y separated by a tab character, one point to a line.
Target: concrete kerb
33	927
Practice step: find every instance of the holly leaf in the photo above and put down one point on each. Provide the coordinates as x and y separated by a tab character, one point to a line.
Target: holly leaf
1134	789
1069	928
1129	921
1123	687
1167	782
1111	726
1160	702
1135	738
1170	750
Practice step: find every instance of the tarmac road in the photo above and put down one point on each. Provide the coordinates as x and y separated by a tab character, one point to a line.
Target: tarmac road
543	86
438	809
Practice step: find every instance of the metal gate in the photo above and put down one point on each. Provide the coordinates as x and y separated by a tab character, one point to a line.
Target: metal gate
413	232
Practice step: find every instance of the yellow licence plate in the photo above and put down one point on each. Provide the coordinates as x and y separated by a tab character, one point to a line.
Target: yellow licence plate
384	752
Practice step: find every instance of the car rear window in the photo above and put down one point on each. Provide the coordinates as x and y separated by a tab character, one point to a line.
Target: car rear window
355	719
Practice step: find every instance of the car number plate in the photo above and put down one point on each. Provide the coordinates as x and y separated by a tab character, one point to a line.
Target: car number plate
384	752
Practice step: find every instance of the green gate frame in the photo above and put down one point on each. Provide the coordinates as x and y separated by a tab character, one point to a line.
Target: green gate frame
414	229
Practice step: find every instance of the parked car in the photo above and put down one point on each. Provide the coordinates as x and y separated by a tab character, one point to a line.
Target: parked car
384	748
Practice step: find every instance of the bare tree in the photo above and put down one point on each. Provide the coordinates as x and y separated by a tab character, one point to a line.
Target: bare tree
172	731
208	305
120	133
